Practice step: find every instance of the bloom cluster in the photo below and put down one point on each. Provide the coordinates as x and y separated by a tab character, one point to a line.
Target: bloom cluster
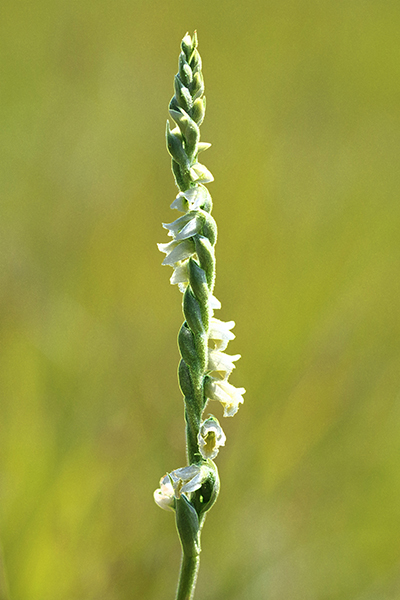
178	252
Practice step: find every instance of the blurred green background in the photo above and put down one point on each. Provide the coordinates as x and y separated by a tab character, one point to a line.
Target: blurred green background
303	113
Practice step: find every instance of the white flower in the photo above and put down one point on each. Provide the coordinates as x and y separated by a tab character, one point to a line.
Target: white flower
215	304
210	437
181	275
177	251
221	364
229	396
220	334
187	479
164	495
184	227
192	199
180	481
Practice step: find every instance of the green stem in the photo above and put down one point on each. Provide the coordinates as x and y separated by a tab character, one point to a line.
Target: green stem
188	576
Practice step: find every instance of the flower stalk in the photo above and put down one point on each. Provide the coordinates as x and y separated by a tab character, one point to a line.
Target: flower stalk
204	367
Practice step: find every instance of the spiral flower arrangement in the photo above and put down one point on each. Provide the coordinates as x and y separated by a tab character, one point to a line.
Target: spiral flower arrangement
204	367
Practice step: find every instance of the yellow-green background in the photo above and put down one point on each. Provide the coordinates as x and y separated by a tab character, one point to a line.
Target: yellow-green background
303	114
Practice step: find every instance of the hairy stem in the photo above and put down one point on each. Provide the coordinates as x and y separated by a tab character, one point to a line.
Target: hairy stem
188	576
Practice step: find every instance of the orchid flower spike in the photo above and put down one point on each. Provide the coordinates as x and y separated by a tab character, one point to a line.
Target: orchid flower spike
205	367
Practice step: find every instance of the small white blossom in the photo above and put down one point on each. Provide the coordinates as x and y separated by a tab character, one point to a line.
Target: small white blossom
180	481
176	251
221	364
184	227
210	437
181	275
220	334
187	479
164	495
192	199
214	303
229	396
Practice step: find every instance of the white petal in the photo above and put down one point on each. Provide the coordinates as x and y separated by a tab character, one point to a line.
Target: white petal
221	363
187	479
193	193
181	273
186	472
164	495
202	197
178	224
189	230
214	303
220	334
180	203
193	198
177	251
229	396
166	248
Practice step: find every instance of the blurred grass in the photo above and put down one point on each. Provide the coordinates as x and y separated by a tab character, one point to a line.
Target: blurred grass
303	115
